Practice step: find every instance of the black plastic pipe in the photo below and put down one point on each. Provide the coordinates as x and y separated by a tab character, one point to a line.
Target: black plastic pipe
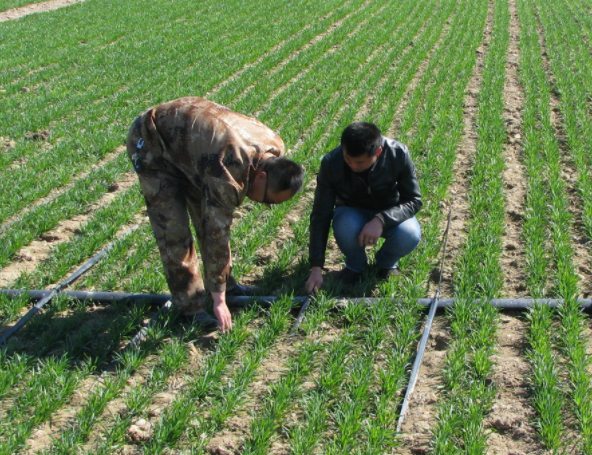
239	301
51	294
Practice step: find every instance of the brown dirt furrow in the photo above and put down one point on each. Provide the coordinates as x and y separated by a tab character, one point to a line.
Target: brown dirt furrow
512	416
17	13
458	197
582	256
59	191
513	258
306	70
421	415
28	258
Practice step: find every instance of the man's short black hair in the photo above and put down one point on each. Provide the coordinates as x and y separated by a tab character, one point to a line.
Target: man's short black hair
284	174
361	138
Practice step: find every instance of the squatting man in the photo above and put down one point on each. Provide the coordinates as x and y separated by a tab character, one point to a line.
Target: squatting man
198	160
368	189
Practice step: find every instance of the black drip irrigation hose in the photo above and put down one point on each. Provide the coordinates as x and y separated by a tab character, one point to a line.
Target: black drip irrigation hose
425	335
48	295
241	301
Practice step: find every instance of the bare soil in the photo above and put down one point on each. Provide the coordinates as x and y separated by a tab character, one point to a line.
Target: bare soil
17	13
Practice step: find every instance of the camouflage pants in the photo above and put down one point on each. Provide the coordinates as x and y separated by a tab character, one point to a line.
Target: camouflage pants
171	201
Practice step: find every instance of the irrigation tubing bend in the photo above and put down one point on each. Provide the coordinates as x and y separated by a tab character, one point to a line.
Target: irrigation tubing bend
424	337
51	294
302	313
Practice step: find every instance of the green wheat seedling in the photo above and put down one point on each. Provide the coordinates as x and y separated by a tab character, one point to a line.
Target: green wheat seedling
305	436
171	426
84	421
281	396
231	394
171	359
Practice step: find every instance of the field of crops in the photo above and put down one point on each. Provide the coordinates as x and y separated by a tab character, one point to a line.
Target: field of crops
494	100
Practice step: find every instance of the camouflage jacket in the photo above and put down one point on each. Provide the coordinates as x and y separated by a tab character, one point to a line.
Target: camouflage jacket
216	151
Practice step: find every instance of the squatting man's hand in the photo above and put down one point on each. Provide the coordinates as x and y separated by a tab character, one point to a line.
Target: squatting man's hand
221	311
315	280
371	232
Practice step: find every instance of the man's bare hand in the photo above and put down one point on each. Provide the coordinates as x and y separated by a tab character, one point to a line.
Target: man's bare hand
315	280
221	311
371	232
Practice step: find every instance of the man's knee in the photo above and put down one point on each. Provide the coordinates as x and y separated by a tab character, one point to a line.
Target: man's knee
347	223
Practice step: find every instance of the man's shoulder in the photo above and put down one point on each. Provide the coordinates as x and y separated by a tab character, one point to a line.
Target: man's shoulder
394	147
334	156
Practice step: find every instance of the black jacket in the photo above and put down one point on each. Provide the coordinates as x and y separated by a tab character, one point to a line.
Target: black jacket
393	191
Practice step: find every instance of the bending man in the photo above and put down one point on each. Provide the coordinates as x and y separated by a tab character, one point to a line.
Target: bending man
198	160
368	188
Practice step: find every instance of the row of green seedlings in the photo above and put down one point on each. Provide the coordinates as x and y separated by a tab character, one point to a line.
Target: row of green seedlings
558	227
86	136
573	81
15	245
547	399
172	355
469	391
34	388
71	203
252	242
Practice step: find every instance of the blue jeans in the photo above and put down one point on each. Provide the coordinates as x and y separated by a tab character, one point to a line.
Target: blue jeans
399	240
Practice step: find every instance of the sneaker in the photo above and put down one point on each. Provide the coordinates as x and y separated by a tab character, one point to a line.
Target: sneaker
385	274
203	319
348	276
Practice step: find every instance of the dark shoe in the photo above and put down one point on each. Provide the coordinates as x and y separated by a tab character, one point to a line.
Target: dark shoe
348	276
385	274
233	288
204	320
243	291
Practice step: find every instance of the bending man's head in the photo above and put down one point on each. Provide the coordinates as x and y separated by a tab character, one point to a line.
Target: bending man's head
362	145
278	181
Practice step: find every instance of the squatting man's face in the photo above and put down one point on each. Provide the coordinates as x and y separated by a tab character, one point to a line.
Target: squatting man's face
362	162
